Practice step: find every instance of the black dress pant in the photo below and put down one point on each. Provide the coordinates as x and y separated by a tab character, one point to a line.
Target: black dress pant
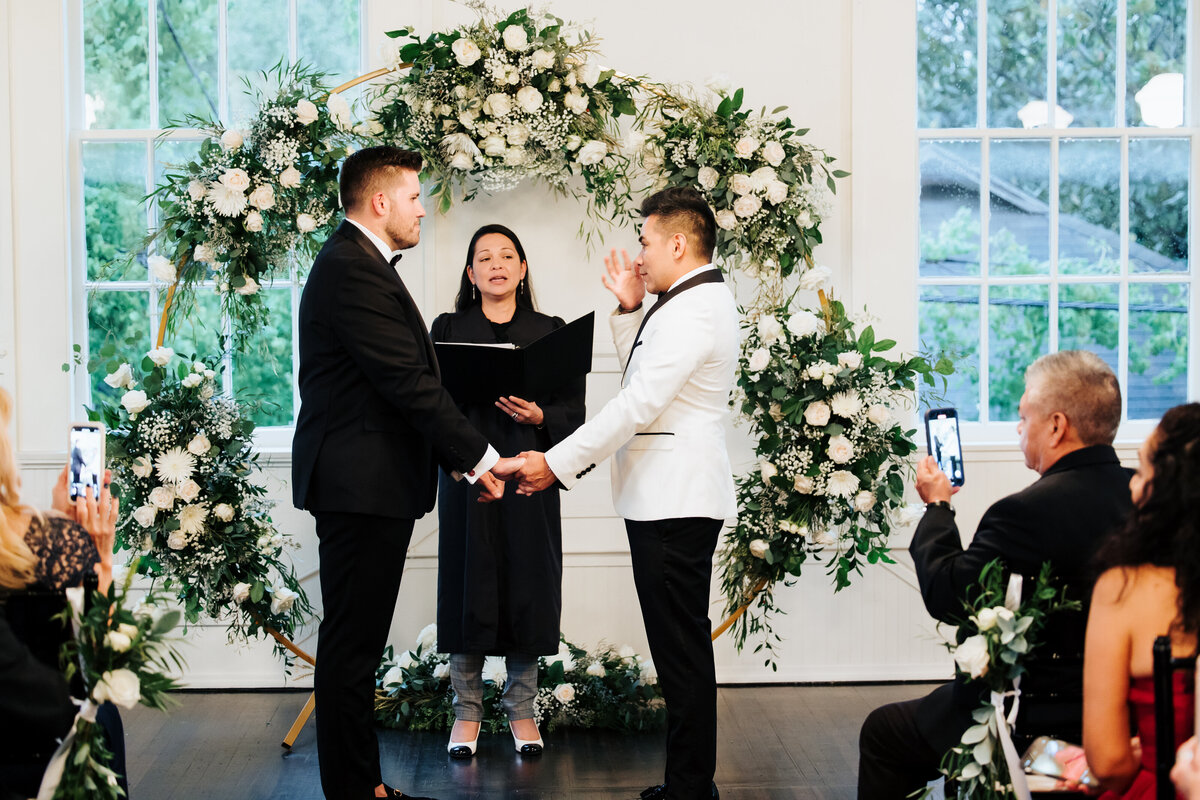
362	559
894	757
672	569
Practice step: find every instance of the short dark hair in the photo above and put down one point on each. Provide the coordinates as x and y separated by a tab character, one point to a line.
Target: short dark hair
467	296
682	209
365	170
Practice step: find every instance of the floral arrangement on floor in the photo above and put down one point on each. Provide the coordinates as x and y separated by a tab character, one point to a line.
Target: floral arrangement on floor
254	199
184	468
605	688
822	400
121	654
990	649
490	104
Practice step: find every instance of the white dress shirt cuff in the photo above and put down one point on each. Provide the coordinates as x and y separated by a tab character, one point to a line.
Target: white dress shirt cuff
490	457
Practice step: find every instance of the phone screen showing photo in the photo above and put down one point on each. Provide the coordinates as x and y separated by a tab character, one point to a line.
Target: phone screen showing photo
87	460
945	444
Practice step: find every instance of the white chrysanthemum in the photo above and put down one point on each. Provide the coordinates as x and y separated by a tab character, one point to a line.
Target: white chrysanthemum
846	404
191	518
226	201
761	178
175	465
494	670
841	483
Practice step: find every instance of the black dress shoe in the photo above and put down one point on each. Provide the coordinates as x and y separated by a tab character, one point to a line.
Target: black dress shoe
390	792
654	792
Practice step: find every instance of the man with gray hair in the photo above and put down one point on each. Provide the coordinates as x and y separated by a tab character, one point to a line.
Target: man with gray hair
1069	415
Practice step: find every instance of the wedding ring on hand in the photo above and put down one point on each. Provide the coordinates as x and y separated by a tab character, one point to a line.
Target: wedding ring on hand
514	415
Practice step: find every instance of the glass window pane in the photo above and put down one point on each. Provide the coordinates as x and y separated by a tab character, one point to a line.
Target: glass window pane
947	64
1019	211
117	317
1158	205
196	320
1018	332
949	208
1158	348
1156	53
114	185
171	156
1087	61
950	323
1016	63
258	39
187	60
116	73
1089	318
327	37
1089	206
264	376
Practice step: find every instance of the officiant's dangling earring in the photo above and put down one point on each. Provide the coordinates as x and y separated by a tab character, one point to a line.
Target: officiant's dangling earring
520	287
472	293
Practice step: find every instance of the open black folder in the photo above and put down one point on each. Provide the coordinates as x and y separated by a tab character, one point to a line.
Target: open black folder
475	372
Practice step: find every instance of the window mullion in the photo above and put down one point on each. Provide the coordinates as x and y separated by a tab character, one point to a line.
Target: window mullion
1053	254
1123	227
981	73
985	193
222	60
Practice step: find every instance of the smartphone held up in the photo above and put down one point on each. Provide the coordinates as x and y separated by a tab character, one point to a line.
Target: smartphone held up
944	443
86	445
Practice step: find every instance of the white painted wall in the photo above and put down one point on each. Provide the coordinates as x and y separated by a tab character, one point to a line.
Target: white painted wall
843	67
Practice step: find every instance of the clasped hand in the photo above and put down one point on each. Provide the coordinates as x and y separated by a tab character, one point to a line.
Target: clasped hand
492	482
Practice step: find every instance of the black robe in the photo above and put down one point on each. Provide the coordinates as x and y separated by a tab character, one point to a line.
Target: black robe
500	564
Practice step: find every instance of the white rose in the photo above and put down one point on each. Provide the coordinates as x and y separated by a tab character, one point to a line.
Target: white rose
846	404
588	73
282	600
142	467
841	483
427	638
209	374
879	415
466	52
767	470
494	145
206	391
816	278
241	593
759	548
117	642
805	323
177	540
543	59
840	449
596	670
516	39
575	101
777	192
747	206
135	401
512	76
192	381
231	139
223	512
254	221
972	655
555	85
144	516
199	445
741	184
803	484
129	630
204	254
759	360
648	672
707	177
393	677
188	491
236	178
288	179
161	355
305	223
574	142
162	497
339	109
773	153
719	83
987	619
775	411
497	104
851	359
441	671
864	501
769	329
120	687
804	219
745	146
564	693
817	414
517	135
161	268
196	190
306	112
627	653
263	196
121	379
593	152
248	288
529	99
726	219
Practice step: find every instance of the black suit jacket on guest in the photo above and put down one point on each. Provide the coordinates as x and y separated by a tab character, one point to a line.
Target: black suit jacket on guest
1061	518
374	419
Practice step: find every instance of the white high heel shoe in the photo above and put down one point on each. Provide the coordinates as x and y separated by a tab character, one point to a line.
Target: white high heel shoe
526	747
463	749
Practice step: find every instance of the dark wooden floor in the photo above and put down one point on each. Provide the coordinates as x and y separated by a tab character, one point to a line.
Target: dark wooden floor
775	742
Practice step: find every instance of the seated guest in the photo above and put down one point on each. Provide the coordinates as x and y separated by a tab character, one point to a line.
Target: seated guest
1069	415
40	556
1150	587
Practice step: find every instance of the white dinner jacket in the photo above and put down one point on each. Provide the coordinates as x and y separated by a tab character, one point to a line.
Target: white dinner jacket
666	426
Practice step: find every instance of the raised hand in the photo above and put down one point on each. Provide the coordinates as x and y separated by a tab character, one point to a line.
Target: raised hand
491	488
98	516
525	412
506	468
932	484
623	280
536	475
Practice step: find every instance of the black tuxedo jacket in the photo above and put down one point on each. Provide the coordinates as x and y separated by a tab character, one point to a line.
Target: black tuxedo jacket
374	419
1061	518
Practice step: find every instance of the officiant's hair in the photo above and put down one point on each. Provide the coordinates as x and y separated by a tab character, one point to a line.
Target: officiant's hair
684	210
467	296
1083	387
364	171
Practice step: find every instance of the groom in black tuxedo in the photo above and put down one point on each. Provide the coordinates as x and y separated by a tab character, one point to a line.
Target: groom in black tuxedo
374	423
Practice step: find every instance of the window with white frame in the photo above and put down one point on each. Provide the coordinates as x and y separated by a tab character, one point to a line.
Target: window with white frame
1056	204
139	66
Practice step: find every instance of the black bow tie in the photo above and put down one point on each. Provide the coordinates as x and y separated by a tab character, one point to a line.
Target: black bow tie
394	259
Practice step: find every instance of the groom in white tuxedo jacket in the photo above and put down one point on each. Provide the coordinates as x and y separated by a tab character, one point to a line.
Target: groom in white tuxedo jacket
671	477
